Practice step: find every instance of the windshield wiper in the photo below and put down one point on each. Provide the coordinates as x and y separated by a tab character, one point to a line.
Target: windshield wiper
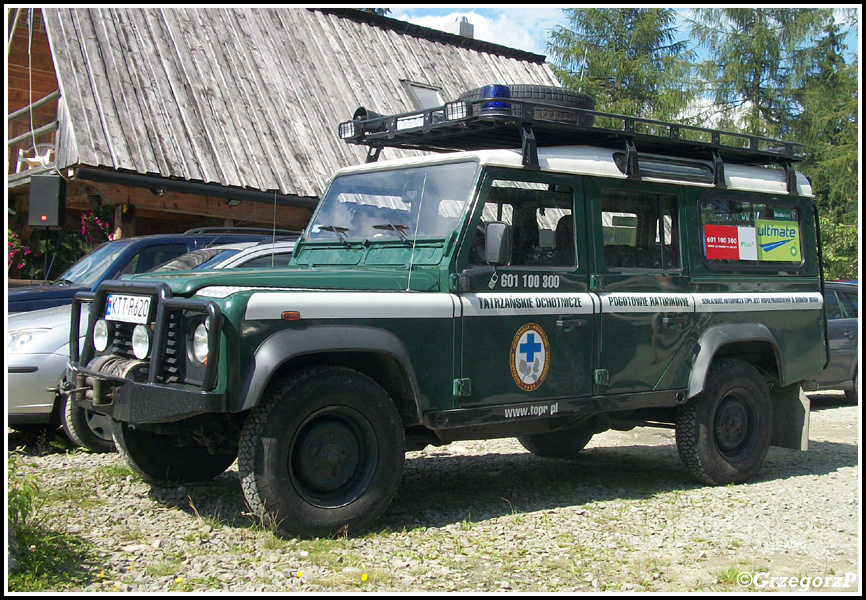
399	229
340	231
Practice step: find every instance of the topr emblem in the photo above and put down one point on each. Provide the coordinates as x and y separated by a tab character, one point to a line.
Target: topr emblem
530	357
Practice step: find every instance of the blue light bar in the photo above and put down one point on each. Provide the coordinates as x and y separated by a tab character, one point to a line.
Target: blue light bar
495	108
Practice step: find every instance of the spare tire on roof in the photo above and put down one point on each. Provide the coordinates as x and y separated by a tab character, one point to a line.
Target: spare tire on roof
546	94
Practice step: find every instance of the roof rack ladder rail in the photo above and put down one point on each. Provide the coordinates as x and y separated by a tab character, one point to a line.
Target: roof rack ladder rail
373	153
820	249
530	147
718	171
632	168
790	177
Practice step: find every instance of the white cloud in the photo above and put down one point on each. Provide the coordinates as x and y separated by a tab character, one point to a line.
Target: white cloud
524	28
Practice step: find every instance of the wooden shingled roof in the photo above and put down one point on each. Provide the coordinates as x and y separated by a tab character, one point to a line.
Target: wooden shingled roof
248	97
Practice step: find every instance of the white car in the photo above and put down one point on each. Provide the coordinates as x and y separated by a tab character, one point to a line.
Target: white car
38	348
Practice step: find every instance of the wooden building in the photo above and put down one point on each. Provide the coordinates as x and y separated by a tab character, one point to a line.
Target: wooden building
184	117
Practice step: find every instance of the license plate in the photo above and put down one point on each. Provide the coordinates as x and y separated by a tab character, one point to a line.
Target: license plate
129	309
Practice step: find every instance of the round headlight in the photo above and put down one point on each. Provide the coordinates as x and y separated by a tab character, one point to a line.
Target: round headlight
101	335
199	343
141	341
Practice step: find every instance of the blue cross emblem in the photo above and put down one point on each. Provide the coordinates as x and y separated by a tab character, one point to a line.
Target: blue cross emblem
530	347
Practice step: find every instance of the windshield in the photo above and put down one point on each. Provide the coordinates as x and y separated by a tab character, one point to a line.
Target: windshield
88	270
395	205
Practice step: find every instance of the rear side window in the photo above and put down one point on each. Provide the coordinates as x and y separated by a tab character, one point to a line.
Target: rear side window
640	231
748	233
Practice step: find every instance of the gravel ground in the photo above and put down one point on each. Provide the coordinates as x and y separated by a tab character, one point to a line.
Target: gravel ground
488	516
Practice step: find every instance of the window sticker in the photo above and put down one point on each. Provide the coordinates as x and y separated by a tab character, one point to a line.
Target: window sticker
778	241
727	242
751	232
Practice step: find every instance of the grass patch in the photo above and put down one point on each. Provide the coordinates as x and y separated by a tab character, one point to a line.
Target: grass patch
738	574
47	559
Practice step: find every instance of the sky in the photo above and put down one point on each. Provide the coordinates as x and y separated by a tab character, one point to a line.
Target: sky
521	27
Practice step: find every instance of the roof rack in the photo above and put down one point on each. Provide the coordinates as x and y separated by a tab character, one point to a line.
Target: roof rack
490	123
243	230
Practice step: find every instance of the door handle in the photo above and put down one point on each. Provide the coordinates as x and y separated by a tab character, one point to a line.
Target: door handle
850	335
563	323
669	321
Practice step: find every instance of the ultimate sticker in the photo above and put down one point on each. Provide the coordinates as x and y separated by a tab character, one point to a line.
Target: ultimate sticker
530	357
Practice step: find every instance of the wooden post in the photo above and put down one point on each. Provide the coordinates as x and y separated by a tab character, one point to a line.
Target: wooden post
124	221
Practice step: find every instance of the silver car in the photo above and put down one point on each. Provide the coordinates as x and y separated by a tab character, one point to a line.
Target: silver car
38	349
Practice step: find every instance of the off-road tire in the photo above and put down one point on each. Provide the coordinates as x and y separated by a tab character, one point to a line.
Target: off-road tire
546	94
85	428
160	460
322	454
565	444
723	434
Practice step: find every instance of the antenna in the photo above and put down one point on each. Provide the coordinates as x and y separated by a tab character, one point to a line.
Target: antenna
274	231
415	240
582	65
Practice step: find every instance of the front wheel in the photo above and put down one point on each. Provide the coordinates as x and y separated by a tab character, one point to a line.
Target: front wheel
724	433
322	454
85	428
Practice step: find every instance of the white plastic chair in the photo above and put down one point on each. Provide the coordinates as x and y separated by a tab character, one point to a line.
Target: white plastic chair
43	155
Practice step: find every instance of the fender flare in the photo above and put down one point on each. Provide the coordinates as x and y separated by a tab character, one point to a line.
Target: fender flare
721	335
286	345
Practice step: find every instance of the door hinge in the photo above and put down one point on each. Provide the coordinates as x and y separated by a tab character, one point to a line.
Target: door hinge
602	377
462	388
596	283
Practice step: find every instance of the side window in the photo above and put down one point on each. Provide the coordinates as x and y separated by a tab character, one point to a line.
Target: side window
850	302
744	233
834	309
541	221
151	257
267	261
640	230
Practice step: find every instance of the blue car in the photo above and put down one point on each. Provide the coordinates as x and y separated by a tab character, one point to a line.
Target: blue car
127	256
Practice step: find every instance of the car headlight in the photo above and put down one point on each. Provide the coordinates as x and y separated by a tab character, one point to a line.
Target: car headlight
15	340
141	341
199	343
101	335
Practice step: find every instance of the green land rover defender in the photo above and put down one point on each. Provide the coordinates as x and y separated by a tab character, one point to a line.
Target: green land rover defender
549	272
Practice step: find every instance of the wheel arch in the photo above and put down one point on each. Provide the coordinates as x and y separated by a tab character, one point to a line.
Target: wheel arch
753	343
376	353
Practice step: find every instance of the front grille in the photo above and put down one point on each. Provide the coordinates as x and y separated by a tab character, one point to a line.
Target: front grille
171	369
172	360
170	320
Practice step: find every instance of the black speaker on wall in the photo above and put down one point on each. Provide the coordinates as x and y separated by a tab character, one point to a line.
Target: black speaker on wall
47	201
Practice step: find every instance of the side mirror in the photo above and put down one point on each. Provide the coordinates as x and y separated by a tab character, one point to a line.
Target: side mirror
497	245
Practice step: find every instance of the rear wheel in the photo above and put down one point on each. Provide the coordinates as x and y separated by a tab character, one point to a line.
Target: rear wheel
85	428
724	433
164	459
322	454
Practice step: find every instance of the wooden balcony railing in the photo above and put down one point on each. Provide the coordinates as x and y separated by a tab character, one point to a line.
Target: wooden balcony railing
34	147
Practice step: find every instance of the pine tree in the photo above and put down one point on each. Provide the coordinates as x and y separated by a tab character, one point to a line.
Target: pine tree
829	128
628	59
757	59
